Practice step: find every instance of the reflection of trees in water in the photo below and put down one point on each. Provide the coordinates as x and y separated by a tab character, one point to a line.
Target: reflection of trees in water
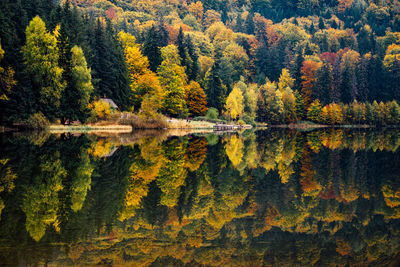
270	197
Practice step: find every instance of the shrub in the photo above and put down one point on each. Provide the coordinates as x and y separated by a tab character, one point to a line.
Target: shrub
138	122
212	113
37	121
100	110
249	120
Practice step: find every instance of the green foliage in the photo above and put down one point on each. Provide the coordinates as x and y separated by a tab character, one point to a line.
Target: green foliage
173	79
299	105
212	113
151	47
107	62
41	60
37	121
270	106
76	96
214	88
249	120
314	111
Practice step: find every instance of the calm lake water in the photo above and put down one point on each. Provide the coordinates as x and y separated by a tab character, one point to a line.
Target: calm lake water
257	198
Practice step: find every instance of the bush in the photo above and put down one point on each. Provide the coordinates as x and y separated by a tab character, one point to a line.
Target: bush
137	122
37	121
212	113
249	120
100	110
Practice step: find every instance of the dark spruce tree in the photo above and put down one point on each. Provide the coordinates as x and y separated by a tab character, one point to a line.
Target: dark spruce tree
215	89
321	24
296	69
324	84
345	86
188	55
239	23
108	65
249	23
194	68
151	47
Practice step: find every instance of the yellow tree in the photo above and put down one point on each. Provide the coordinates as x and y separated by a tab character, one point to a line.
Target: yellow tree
391	52
196	99
197	10
289	101
173	79
234	103
285	80
144	82
252	100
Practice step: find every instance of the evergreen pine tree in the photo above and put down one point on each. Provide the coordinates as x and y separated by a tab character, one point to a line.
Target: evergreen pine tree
151	48
215	89
345	86
181	45
321	24
249	23
324	84
312	28
76	96
298	63
239	23
299	105
194	67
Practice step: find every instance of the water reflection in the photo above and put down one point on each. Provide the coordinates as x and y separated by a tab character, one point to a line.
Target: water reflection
275	197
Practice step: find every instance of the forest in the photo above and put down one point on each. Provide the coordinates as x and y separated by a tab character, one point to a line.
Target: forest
266	61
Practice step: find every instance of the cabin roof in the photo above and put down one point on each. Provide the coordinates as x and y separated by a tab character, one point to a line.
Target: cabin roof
110	102
110	153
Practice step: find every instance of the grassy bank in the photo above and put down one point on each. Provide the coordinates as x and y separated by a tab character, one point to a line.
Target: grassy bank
184	124
126	122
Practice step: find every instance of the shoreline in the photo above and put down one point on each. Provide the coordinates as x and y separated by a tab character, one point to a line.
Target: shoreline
185	126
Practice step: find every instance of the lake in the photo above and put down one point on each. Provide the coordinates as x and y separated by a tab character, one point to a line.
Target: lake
255	198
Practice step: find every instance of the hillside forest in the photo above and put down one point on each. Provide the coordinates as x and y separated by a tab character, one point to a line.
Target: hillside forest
267	61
